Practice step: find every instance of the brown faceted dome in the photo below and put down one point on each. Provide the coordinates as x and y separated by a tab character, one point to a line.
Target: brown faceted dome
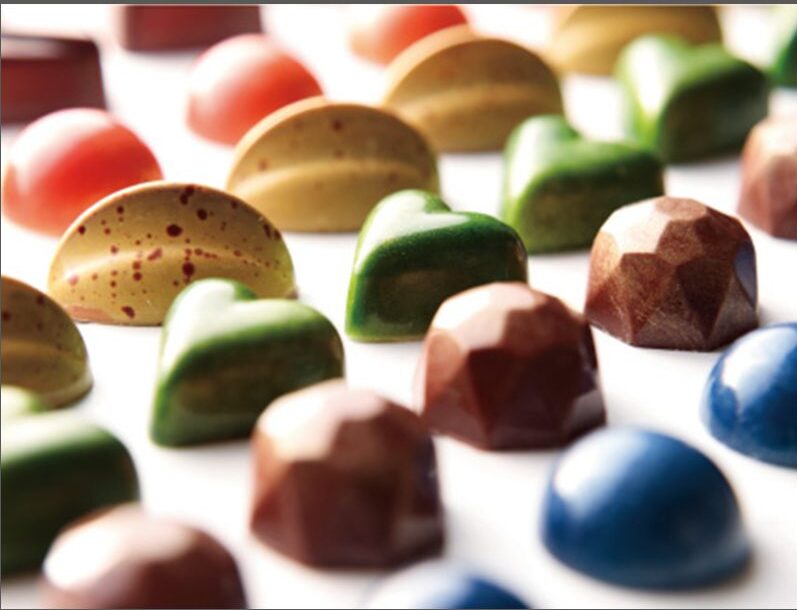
125	558
345	478
769	177
507	367
672	273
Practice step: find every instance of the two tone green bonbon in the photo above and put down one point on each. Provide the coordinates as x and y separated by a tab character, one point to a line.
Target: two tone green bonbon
413	253
225	355
689	102
55	468
559	187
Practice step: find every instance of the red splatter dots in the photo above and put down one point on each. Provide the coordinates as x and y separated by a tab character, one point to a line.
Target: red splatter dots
6	316
81	229
113	284
120	210
155	254
338	154
174	230
40	300
136	264
262	165
175	283
337	125
107	231
237	253
114	249
129	311
267	230
94	276
186	194
137	276
114	272
72	280
138	242
202	214
233	204
188	269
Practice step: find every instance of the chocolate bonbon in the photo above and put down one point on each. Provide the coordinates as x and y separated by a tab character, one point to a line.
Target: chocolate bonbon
42	349
56	467
345	478
126	258
449	86
589	38
769	177
166	28
750	399
784	64
413	253
237	82
437	585
643	509
124	558
672	273
380	32
689	103
507	367
559	187
68	160
42	74
226	355
322	166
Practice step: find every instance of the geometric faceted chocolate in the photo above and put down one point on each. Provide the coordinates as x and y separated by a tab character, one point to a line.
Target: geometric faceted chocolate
345	478
672	273
124	558
507	367
769	177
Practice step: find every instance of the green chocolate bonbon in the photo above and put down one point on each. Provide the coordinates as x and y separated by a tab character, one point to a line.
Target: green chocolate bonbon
784	66
225	355
413	253
688	103
559	188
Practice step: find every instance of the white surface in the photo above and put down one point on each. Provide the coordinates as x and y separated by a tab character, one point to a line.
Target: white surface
491	500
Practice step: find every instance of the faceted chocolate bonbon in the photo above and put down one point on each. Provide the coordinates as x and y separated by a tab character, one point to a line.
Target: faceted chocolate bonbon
226	355
589	38
674	274
42	349
322	166
125	558
643	509
559	187
769	177
127	257
42	74
438	585
750	400
413	253
345	478
165	28
55	467
507	367
465	92
689	103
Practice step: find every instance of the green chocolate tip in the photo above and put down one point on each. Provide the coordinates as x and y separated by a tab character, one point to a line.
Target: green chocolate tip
16	402
784	65
413	253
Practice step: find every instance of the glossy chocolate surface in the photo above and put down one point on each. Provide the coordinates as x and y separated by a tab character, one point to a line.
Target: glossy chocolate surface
174	27
345	478
674	274
769	177
750	399
124	558
507	367
643	509
42	74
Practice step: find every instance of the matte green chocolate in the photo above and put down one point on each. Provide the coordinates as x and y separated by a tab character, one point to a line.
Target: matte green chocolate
560	188
226	355
56	467
413	253
784	65
16	402
688	103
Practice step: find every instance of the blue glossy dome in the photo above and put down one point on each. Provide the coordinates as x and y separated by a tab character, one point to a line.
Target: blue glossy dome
750	400
441	586
642	509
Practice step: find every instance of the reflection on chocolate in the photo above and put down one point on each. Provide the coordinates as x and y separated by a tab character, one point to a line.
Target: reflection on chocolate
769	177
42	74
674	274
160	28
345	478
124	558
507	367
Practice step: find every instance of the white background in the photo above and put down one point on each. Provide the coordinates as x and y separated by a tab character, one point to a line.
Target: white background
491	500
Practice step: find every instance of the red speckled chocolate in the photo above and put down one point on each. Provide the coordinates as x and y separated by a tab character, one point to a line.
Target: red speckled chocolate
345	478
507	367
672	273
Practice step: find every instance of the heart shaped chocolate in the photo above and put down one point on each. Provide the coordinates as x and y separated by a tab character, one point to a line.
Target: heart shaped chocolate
688	103
560	188
226	355
414	253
